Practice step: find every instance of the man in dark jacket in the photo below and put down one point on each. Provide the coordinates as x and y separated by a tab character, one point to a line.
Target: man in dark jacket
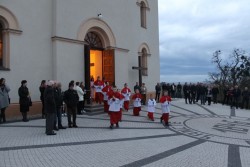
245	98
186	92
236	96
157	92
215	92
49	107
59	103
71	99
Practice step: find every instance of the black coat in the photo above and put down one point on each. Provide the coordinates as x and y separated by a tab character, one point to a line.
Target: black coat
58	97
24	99
49	100
71	98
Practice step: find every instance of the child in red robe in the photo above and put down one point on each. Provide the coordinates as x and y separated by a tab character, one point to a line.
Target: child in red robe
126	92
98	84
105	92
165	107
137	102
114	107
151	107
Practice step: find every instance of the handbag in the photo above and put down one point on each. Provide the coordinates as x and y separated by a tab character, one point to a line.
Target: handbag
30	102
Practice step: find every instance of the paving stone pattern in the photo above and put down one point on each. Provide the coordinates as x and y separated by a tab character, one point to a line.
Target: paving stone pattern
198	136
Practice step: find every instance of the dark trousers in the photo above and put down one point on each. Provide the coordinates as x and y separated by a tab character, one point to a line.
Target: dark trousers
58	117
203	99
245	102
2	115
143	99
50	118
157	96
187	98
209	100
226	99
198	97
178	94
43	112
235	102
80	106
215	98
71	111
24	114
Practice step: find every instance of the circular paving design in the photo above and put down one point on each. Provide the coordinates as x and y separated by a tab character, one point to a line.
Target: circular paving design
214	128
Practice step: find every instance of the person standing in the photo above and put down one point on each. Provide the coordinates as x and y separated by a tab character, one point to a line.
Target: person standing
24	100
126	92
215	92
98	84
114	107
50	107
71	99
137	86
137	102
84	97
226	95
105	92
186	92
236	96
209	95
42	88
4	99
165	107
157	91
151	107
179	89
80	94
59	103
173	90
144	94
245	98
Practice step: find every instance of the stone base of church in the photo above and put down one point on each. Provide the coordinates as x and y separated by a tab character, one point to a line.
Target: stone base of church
13	111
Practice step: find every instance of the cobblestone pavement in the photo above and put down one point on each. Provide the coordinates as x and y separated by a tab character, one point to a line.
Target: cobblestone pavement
198	136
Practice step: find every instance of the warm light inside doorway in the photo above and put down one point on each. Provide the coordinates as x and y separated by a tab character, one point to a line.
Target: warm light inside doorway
95	63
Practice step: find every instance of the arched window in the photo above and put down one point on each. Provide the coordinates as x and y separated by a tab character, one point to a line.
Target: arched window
1	44
144	62
93	40
143	8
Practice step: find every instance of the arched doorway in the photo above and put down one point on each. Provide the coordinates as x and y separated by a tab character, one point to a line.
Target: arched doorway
99	61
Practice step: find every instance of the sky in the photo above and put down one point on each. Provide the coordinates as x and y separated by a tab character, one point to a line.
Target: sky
191	31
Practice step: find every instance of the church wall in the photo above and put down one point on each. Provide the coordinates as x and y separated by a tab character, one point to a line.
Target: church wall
30	51
69	60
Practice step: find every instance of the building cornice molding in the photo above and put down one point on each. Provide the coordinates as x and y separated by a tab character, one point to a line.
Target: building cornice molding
13	31
69	40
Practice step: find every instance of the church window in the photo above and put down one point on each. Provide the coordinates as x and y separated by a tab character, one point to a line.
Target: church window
143	9
144	62
93	40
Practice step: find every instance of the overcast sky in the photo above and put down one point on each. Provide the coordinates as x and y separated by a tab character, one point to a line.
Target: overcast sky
191	30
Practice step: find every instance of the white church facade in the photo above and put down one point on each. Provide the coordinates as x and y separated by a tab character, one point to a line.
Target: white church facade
74	40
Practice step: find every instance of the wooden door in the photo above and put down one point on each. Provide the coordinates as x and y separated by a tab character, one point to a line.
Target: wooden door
109	66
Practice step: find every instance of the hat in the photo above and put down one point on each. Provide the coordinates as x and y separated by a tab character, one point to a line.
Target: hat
23	82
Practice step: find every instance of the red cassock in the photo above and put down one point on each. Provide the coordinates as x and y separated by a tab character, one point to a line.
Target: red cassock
106	91
98	84
137	103
151	115
126	92
165	116
115	112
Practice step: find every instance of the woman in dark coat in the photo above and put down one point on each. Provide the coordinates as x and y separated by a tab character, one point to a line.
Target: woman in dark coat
24	100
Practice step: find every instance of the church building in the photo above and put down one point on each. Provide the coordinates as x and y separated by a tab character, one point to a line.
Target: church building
75	40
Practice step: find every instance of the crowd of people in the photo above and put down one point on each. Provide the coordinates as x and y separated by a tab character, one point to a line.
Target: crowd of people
206	93
115	101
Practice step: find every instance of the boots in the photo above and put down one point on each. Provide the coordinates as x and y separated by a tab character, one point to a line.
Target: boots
24	114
